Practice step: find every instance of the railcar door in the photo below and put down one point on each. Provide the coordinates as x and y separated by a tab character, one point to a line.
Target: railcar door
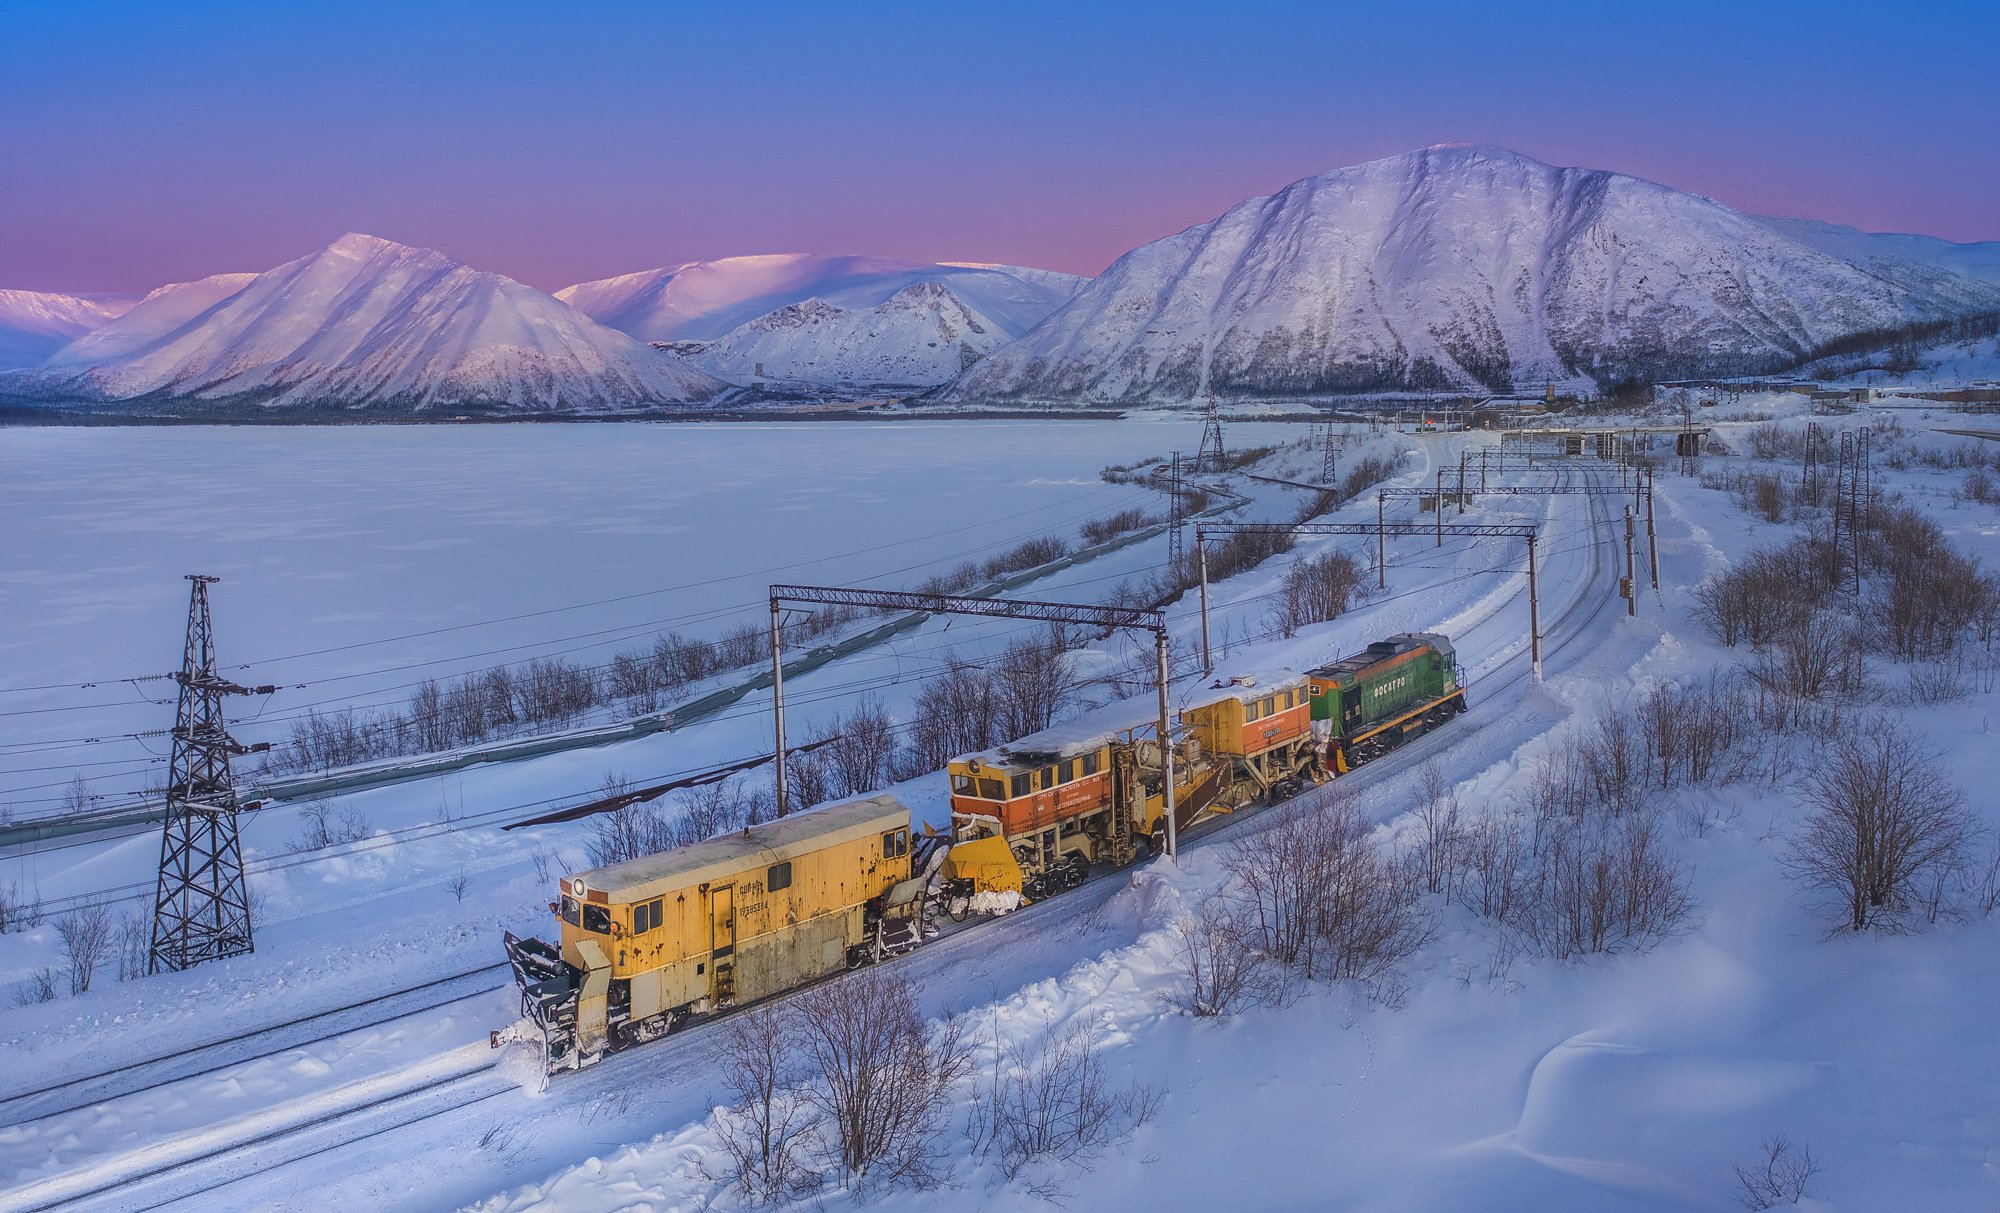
722	913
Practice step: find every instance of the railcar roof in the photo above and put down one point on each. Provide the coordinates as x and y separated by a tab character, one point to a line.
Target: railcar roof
758	846
1382	650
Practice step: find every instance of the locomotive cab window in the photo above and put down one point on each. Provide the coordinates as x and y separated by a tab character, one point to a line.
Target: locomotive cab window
1020	785
992	789
597	919
778	876
569	911
895	843
963	785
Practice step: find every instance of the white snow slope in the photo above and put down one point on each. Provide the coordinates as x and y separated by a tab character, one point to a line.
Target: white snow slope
34	324
367	322
827	319
1892	252
1455	268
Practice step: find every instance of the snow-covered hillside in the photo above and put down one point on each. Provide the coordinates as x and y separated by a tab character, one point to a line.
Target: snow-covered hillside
365	322
1455	268
35	324
827	320
1893	251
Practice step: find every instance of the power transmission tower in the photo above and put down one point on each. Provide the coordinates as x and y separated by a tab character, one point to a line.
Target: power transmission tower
1329	457
1209	457
201	911
1176	516
1811	477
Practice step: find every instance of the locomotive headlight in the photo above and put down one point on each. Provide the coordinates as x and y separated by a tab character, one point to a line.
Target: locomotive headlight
576	888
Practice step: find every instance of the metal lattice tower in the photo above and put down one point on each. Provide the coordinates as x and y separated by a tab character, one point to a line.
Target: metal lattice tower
1176	517
1329	456
201	911
1209	457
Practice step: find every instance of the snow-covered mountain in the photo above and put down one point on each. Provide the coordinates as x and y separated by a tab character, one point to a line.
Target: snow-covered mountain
1454	268
1892	252
364	322
35	324
841	320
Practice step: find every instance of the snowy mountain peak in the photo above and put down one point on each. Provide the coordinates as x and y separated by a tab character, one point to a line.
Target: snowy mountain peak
34	324
367	322
1459	268
850	320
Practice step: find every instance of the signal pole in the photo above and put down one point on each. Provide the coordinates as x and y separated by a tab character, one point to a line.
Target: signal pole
1630	588
1534	615
1381	542
201	905
1652	542
778	705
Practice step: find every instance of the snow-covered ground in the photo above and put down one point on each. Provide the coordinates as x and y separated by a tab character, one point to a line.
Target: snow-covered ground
1627	1082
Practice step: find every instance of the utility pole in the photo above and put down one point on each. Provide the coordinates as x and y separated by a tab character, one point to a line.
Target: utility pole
1437	499
1652	543
1381	542
1482	469
1166	746
201	905
1630	588
1461	481
1201	560
1534	615
778	706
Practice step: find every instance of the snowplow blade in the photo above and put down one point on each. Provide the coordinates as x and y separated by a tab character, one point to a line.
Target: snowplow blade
988	863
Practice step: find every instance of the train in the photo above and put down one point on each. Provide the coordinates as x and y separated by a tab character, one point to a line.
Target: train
648	945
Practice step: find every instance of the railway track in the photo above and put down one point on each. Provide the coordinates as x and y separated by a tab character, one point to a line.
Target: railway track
159	1177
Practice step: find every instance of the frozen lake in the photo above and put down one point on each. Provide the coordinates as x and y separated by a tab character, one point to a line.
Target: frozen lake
363	552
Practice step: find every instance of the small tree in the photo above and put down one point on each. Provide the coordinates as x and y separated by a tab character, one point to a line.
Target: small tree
1780	1176
1884	821
1054	1102
1220	968
86	935
879	1073
766	1130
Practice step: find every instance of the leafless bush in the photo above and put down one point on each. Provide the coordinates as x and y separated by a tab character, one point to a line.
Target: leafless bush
17	910
320	827
629	832
1612	753
86	935
807	778
1775	440
1884	822
1691	729
879	1074
77	797
716	808
554	690
1223	970
459	885
767	1129
1439	855
1054	1103
1101	530
1767	592
1593	887
1780	1176
862	744
1935	682
1320	898
956	712
38	986
321	741
1980	488
1316	589
1984	880
1496	854
134	946
1812	656
1033	682
544	860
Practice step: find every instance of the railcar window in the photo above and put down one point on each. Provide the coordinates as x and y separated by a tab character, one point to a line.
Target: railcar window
895	843
962	784
569	910
779	876
1020	785
597	919
992	789
1252	710
654	917
1090	764
1067	771
1048	777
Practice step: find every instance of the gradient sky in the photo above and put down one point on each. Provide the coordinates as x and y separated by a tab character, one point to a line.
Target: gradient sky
156	142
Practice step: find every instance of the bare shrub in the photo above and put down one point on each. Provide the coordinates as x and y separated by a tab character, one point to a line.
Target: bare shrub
807	780
1496	853
768	1126
1779	1176
879	1074
16	909
544	860
713	809
1033	682
1316	589
134	946
1321	899
1441	838
954	713
1592	887
1884	822
1935	682
1612	754
459	885
1221	968
320	827
1101	530
38	986
552	690
86	935
861	745
1053	1102
628	832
